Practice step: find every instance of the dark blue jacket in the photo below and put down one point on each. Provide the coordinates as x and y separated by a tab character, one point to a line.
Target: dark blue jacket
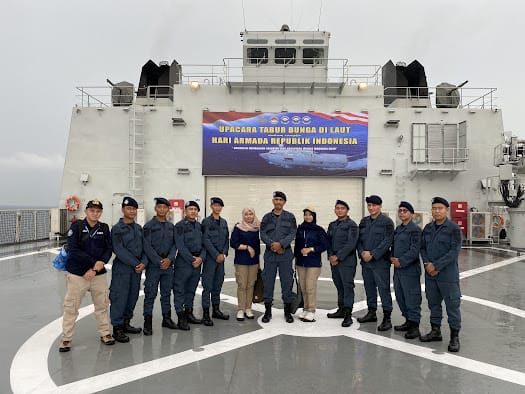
250	238
128	246
189	240
440	245
376	236
278	228
343	236
310	235
216	237
93	244
406	246
159	241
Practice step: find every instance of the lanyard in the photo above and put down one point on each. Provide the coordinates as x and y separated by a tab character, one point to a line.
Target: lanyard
91	235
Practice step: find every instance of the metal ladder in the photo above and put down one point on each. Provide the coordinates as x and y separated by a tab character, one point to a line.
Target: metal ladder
136	153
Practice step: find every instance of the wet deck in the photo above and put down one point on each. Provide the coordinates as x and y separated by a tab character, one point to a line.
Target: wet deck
251	357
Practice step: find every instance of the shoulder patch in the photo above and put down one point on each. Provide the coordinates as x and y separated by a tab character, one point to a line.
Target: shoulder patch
70	233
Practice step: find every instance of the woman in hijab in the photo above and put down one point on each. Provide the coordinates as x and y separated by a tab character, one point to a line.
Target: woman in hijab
245	240
310	241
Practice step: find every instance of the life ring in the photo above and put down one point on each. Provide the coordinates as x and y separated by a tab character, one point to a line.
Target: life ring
73	203
498	221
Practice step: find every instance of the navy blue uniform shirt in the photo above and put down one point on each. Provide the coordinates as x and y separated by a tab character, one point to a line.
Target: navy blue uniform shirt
250	238
216	236
310	235
406	246
278	228
159	241
376	236
343	236
128	246
189	240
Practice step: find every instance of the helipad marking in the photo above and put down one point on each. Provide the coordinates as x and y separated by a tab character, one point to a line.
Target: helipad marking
15	256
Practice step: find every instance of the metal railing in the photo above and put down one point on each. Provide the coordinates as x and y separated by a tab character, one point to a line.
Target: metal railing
440	159
22	225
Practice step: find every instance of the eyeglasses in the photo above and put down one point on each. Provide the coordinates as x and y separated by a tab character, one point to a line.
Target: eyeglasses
402	210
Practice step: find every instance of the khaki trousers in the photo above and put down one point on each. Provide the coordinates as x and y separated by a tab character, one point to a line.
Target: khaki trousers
76	289
308	281
245	276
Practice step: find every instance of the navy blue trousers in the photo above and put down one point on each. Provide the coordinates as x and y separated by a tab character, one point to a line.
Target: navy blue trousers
436	293
185	282
286	276
408	295
212	280
377	279
154	277
123	294
343	275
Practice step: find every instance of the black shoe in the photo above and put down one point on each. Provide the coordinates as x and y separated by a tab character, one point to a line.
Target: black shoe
191	317
453	345
403	327
128	328
148	330
217	314
183	321
369	317
347	321
167	322
338	314
413	330
206	317
118	334
386	324
65	346
433	335
267	313
288	313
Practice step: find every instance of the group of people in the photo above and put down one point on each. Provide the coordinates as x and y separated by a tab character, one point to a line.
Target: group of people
176	257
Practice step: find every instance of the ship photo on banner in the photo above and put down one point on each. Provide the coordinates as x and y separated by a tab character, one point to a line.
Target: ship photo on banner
285	143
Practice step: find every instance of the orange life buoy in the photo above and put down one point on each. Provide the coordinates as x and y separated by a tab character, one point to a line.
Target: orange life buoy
498	221
73	203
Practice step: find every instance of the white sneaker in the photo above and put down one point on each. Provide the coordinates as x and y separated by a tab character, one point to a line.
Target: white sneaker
303	314
240	315
249	314
309	317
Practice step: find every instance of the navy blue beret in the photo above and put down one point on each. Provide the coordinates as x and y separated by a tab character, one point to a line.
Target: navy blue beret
341	202
440	200
216	200
129	202
279	195
373	199
162	200
407	205
192	204
94	204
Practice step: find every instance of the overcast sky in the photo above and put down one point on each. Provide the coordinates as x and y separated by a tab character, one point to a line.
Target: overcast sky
50	47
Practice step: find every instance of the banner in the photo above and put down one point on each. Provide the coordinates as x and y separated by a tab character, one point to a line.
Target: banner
285	143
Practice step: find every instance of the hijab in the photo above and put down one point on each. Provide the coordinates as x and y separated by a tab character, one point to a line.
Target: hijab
245	226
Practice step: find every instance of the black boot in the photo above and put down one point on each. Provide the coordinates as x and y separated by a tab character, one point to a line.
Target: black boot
433	335
413	330
403	327
338	314
386	324
347	321
217	314
118	334
453	345
148	330
288	313
369	317
128	328
167	322
267	313
183	321
190	317
206	317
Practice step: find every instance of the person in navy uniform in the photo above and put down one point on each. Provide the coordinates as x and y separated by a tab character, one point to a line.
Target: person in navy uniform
130	260
440	248
407	270
343	235
188	237
159	244
376	233
278	229
89	249
216	242
310	241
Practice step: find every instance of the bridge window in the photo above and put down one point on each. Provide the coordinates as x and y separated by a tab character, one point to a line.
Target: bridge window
257	55
285	55
313	55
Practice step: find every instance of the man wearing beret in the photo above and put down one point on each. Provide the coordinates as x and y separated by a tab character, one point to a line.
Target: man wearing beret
440	248
216	242
188	264
278	229
130	260
159	244
89	249
343	235
407	270
376	233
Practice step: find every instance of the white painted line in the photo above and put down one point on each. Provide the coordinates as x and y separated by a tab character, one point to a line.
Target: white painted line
501	307
53	250
485	268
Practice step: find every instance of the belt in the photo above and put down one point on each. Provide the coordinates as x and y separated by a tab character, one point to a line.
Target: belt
195	253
